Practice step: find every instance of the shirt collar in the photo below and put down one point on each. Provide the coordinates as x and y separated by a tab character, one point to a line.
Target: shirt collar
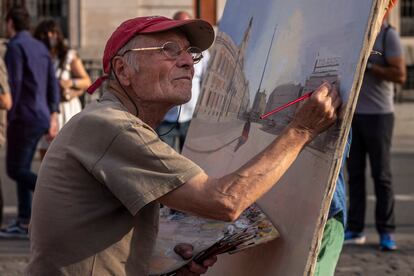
23	33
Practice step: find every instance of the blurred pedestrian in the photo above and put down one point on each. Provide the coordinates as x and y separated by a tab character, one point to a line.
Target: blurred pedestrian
372	128
35	95
70	72
173	129
5	104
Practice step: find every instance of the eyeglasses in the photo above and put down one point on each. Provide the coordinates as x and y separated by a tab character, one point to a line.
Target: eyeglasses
172	50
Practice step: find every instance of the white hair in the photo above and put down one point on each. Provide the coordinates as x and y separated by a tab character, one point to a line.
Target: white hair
131	60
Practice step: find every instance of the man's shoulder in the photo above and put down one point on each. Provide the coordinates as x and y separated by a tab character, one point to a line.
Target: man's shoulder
96	129
102	112
89	133
27	42
388	33
107	117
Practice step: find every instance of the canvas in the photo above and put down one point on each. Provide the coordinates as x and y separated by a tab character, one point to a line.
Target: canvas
267	53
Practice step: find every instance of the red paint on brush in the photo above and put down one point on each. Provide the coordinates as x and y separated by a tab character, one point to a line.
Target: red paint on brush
304	97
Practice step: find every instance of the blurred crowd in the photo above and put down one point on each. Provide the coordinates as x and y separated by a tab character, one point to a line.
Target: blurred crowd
41	82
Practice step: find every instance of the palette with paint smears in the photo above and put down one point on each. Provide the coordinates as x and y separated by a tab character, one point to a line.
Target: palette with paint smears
208	237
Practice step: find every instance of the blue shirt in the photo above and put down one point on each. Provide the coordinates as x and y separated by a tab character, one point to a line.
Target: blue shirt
338	203
33	85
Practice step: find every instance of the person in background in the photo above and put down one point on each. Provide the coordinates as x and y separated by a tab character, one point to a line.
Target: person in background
5	104
35	95
70	72
173	130
372	128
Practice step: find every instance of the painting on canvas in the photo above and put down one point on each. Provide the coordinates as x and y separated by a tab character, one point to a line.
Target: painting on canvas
267	53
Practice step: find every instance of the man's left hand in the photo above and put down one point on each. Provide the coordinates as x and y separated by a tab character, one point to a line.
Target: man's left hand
54	127
192	268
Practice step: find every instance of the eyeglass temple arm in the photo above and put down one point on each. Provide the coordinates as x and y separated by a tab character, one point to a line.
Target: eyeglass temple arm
145	49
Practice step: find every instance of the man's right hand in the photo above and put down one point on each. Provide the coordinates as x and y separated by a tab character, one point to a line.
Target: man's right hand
192	268
319	112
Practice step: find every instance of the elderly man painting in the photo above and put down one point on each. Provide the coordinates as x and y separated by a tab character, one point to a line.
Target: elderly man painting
95	208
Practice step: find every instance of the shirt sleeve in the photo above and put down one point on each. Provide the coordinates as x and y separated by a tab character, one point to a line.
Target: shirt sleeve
53	89
393	44
4	82
14	60
138	168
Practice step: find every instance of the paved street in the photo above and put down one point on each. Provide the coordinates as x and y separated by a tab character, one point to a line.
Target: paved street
363	260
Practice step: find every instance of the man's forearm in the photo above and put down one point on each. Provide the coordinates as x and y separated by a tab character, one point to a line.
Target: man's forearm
225	198
389	73
243	187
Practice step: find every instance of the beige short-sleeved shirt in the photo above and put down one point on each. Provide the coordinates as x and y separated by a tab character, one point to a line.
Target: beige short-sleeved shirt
4	88
94	209
4	83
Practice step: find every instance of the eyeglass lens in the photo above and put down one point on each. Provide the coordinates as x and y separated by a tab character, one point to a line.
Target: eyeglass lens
173	50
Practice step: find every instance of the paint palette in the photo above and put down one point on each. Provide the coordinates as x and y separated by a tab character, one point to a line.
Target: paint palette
208	237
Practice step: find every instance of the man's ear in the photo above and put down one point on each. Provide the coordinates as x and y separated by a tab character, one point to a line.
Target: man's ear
10	25
121	70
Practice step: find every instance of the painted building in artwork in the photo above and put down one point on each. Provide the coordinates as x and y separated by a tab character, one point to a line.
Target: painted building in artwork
259	106
325	69
280	95
225	92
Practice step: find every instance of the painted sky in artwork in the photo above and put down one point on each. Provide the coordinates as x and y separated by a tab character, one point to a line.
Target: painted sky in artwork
305	31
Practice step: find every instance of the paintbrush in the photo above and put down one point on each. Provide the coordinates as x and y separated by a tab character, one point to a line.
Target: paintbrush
304	97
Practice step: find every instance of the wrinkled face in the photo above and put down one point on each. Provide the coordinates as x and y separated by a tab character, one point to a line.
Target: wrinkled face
160	78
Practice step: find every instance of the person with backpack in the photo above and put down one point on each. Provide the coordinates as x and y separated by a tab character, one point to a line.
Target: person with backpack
372	128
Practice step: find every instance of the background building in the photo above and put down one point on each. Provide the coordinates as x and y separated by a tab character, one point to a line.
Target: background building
88	23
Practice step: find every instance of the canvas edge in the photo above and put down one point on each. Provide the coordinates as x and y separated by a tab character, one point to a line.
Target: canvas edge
377	13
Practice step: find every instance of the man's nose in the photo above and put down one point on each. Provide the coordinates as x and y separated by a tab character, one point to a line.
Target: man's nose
185	59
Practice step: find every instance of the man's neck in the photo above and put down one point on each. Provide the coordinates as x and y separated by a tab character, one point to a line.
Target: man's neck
12	34
150	113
